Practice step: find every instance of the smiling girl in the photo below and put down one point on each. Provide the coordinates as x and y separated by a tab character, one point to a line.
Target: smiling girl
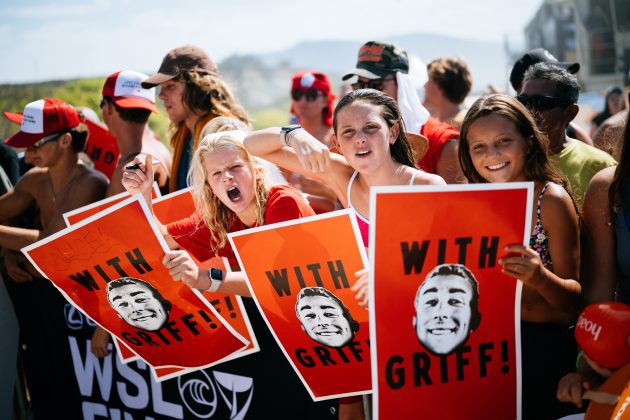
500	143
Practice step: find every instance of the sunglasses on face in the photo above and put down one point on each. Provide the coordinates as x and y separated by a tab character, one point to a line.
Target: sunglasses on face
47	139
372	84
542	103
310	94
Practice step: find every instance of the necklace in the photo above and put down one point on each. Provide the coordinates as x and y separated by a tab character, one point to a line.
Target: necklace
64	187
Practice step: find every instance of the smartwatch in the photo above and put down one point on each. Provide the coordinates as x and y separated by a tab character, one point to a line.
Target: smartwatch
216	277
284	131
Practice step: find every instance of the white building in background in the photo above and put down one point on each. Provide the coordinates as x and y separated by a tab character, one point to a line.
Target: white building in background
595	33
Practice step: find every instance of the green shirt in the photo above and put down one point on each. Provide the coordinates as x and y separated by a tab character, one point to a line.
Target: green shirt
578	162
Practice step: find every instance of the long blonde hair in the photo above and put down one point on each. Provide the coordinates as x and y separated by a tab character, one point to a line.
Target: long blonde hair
214	213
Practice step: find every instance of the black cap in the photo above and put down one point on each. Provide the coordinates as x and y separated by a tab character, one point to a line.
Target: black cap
377	59
537	55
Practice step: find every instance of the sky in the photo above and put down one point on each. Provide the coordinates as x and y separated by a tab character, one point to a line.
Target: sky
63	39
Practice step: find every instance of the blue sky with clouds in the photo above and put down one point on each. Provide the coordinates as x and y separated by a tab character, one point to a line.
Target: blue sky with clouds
44	40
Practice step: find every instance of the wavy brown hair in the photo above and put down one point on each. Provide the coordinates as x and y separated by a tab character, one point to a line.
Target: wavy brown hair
215	214
208	96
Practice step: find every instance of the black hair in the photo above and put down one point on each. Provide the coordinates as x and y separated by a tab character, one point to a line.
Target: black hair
132	115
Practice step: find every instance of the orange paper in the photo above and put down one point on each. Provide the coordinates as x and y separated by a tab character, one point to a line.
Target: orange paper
445	320
300	273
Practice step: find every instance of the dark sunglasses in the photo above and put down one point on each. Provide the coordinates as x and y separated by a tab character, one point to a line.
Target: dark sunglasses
542	103
372	84
309	94
47	139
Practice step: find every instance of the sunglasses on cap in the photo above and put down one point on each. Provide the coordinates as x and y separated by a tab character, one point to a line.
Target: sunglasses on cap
52	137
543	103
309	94
372	84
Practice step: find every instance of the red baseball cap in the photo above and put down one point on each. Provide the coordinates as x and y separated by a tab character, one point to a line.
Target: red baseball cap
40	119
308	79
125	88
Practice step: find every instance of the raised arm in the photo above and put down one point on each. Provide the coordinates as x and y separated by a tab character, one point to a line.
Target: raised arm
140	181
302	153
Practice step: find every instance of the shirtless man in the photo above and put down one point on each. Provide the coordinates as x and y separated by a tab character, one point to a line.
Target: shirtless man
53	136
126	107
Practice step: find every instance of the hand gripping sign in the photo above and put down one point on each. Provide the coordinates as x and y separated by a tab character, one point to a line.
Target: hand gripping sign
444	319
109	266
300	273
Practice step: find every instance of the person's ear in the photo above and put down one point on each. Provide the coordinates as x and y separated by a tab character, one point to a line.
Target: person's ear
394	131
335	141
570	112
65	140
414	322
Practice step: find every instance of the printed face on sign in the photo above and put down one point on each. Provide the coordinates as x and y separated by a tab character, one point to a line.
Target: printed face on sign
324	317
138	303
446	308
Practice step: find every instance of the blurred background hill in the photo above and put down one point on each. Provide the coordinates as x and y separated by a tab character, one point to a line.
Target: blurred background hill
261	82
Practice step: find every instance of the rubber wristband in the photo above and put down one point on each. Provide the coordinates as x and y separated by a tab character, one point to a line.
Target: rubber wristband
577	360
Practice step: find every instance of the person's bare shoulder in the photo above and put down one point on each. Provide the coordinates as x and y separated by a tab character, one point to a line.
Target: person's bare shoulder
596	195
95	180
556	202
33	179
425	178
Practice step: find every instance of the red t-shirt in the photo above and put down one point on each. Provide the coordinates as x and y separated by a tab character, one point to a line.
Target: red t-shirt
192	234
438	133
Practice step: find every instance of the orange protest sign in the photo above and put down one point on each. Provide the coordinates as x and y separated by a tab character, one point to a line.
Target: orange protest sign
300	273
102	148
74	216
109	266
178	205
445	320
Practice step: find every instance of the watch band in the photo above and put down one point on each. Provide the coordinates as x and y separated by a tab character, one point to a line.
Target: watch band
284	133
216	277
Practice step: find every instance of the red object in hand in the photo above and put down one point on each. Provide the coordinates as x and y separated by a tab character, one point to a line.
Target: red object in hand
603	331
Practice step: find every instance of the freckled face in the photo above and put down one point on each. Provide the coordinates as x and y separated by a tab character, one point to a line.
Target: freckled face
497	149
231	179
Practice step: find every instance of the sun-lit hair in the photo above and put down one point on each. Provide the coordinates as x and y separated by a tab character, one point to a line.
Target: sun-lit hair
217	216
537	166
209	97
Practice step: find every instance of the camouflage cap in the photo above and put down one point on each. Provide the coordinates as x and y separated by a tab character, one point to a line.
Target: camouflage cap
377	59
